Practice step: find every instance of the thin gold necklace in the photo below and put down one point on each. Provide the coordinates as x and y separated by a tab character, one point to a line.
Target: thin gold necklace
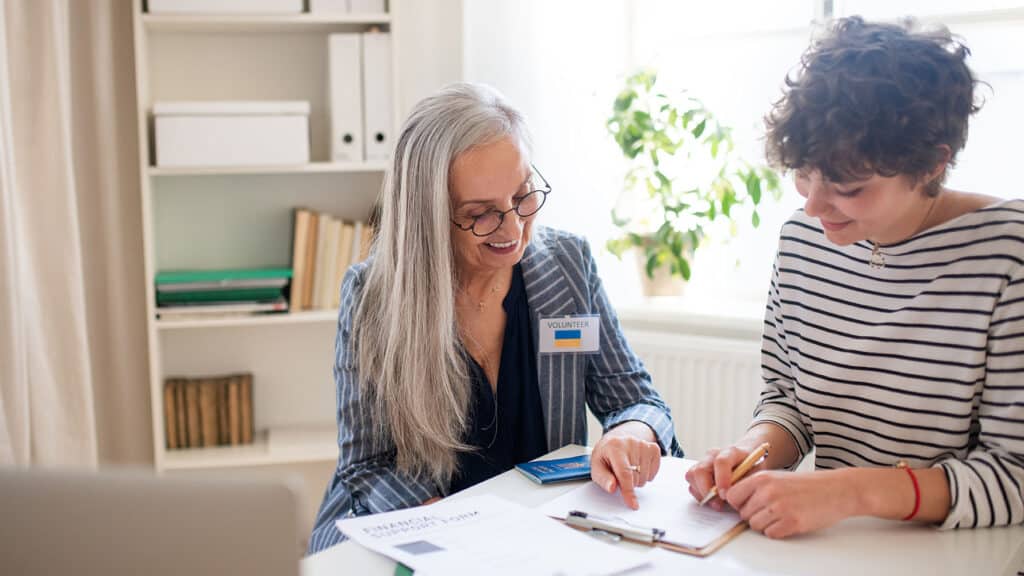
877	259
480	304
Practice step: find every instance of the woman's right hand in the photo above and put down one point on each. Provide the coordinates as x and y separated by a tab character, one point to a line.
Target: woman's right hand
715	469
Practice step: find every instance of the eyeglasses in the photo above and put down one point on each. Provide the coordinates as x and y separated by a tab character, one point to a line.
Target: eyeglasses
527	205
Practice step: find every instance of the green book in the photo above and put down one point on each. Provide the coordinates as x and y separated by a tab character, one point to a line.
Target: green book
226	295
187	276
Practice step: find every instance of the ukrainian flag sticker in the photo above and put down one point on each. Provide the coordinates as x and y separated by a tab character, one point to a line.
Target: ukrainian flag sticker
570	334
568	339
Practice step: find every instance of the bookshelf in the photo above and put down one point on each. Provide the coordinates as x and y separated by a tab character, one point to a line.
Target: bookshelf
241	216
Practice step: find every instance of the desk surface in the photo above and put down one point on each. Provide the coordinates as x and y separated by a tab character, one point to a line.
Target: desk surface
857	546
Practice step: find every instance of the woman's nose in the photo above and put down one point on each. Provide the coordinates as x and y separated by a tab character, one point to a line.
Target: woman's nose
512	218
815	190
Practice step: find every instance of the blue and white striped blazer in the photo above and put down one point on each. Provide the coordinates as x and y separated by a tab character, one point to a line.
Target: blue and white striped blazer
561	279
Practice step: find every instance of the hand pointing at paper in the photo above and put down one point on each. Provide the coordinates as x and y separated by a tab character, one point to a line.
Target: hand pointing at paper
625	458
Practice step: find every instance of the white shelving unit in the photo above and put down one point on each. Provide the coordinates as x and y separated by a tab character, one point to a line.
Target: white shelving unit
306	317
311	168
278	446
222	217
269	23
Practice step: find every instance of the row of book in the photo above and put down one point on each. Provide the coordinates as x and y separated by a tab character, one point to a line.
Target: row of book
323	247
204	412
184	294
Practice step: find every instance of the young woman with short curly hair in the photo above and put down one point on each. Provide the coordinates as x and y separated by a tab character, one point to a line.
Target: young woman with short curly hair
894	331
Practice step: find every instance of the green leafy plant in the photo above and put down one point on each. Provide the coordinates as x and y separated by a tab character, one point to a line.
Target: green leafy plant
684	175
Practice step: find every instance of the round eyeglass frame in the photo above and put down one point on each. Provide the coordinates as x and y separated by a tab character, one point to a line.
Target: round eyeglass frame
502	213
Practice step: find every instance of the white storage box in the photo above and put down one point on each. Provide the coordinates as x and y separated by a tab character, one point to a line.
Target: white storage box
225	6
367	6
231	133
354	6
328	6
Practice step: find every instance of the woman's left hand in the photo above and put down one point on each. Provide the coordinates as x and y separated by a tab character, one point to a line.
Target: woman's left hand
626	457
781	504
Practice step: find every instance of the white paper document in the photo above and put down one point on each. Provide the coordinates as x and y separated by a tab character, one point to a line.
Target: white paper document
486	535
665	503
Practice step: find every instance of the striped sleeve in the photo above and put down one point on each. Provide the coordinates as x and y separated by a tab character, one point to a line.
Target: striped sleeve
619	388
365	480
985	487
777	403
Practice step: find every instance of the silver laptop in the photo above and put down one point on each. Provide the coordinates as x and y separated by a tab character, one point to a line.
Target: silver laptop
132	523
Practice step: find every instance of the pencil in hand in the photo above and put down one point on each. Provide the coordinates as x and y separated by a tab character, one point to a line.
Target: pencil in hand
740	471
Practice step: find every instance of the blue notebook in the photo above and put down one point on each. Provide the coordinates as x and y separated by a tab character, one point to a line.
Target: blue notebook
557	470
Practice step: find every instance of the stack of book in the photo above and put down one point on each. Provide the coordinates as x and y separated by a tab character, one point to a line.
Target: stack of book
204	293
323	247
204	412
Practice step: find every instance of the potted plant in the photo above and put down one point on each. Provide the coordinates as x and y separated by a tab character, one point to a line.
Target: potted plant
684	175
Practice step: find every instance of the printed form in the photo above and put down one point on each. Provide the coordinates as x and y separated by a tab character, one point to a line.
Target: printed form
486	535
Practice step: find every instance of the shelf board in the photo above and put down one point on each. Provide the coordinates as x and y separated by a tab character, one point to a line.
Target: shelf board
311	168
270	447
262	22
289	318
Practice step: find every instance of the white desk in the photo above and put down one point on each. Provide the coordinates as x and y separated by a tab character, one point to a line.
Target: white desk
856	547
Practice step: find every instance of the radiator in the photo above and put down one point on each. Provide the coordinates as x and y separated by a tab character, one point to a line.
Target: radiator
711	384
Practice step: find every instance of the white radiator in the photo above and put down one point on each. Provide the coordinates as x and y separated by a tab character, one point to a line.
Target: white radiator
711	385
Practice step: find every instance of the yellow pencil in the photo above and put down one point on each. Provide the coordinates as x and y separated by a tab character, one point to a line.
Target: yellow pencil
741	470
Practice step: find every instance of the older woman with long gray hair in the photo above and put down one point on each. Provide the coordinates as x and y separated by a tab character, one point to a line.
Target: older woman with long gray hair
472	340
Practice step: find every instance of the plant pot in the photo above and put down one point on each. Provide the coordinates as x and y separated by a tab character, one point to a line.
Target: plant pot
663	283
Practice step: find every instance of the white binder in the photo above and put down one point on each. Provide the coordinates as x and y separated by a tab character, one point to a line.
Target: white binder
377	95
367	6
346	97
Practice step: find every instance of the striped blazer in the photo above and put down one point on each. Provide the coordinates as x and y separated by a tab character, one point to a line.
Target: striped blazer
561	279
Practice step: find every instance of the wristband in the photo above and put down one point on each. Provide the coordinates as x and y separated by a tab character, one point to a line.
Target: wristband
917	490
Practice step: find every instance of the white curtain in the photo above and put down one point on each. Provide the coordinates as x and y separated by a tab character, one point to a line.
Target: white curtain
72	332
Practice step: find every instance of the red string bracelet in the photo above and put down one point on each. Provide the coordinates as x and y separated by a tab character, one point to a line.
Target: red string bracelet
917	490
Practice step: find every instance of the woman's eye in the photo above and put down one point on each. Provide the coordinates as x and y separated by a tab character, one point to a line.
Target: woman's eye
849	193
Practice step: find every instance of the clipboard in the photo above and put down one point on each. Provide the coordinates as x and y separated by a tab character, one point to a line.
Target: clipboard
668	517
614	530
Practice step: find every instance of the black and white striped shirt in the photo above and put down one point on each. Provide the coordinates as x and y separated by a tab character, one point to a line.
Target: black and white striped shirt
921	360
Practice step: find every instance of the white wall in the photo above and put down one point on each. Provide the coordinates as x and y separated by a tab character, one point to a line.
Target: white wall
429	48
561	63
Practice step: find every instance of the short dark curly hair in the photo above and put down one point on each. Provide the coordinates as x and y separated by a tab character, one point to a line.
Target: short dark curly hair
873	98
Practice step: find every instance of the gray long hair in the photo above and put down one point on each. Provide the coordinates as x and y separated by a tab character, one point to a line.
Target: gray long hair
412	370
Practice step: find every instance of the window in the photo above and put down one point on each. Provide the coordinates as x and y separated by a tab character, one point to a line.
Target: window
563	71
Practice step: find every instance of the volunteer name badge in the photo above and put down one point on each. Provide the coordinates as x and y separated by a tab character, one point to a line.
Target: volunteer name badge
570	334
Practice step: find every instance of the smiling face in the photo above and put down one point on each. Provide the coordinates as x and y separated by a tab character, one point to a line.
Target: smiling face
882	209
491	177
